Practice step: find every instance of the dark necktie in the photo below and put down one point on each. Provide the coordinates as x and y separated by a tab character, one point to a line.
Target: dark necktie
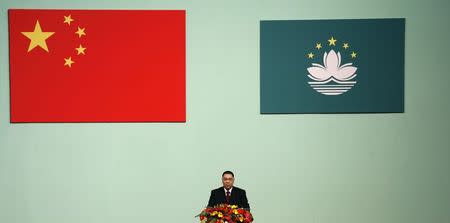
228	196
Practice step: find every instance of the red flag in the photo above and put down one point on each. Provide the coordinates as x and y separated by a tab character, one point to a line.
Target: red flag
97	65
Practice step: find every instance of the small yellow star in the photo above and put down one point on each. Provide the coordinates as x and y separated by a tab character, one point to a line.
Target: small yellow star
80	32
37	37
332	41
80	50
310	55
345	46
68	19
318	46
68	62
353	54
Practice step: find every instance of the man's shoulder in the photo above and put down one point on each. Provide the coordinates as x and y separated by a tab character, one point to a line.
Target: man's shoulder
217	189
238	189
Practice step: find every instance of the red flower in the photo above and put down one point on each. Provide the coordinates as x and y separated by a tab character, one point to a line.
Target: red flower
226	213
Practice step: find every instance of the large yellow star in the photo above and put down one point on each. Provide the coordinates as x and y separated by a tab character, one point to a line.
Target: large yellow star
332	41
37	37
68	62
80	32
80	50
68	19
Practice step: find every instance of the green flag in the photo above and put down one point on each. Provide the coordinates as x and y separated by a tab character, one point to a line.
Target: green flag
332	66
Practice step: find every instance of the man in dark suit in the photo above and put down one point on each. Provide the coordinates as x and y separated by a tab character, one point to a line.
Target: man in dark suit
228	194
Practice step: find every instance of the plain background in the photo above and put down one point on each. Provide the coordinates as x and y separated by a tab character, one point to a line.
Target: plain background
352	168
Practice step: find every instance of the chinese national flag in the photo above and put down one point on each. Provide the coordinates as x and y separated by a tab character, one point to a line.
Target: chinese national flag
97	65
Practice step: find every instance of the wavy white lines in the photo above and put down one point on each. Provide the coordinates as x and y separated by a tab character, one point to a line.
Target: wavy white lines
332	86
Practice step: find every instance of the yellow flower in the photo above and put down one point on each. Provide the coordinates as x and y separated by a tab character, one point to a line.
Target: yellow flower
214	213
241	219
235	212
234	206
220	215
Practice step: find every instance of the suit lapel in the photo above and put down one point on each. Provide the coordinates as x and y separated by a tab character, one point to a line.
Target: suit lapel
233	196
222	197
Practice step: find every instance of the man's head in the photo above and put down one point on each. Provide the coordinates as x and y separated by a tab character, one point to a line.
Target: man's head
227	179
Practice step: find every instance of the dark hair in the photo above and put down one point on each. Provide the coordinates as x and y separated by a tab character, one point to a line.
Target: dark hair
228	172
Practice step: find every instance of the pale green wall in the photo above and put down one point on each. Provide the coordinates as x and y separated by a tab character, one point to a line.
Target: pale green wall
372	168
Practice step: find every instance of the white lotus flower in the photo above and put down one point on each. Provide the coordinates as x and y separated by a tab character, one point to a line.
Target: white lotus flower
332	68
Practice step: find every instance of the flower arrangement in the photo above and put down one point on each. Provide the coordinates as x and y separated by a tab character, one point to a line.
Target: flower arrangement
224	213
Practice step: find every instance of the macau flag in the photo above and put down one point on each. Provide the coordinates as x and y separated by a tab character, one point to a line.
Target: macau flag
332	66
97	65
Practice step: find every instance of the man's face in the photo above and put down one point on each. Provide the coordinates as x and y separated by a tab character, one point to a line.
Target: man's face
227	180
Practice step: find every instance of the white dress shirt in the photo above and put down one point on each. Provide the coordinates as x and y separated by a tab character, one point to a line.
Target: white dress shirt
226	190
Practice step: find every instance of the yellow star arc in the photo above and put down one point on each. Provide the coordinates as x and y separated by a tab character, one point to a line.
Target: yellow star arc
68	62
353	54
318	46
80	50
332	41
310	55
81	32
345	46
68	19
37	37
